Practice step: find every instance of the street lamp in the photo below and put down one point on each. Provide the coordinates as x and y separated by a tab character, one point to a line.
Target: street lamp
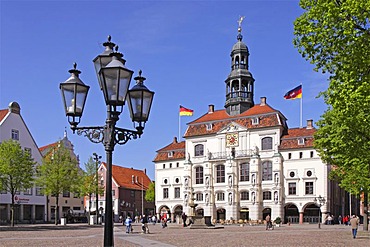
114	80
320	201
97	162
142	192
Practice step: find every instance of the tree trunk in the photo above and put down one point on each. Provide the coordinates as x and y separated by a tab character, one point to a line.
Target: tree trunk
57	210
366	211
88	220
12	212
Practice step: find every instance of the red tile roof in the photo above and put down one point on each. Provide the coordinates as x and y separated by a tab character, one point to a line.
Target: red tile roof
219	119
290	141
3	114
47	147
222	114
177	149
123	176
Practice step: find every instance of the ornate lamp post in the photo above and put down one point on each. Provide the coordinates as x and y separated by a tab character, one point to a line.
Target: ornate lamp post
319	201
114	80
97	162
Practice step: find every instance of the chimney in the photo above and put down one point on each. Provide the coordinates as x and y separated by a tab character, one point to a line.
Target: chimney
175	139
211	109
263	101
145	170
309	124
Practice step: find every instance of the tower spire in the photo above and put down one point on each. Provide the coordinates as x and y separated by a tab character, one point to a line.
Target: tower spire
240	21
240	82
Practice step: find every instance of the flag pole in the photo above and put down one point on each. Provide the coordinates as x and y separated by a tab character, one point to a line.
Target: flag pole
301	108
179	126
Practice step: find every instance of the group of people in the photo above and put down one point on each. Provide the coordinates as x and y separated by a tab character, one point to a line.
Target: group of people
144	224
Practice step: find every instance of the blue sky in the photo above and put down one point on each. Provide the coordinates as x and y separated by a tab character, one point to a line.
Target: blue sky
183	48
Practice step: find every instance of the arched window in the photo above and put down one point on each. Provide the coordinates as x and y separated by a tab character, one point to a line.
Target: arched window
244	172
220	174
199	175
266	143
266	171
199	150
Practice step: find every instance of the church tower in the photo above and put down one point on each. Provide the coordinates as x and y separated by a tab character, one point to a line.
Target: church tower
240	82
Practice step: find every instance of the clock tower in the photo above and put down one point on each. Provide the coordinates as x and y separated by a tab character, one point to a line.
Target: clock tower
240	82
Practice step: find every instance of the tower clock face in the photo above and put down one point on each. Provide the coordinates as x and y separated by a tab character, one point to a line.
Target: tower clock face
232	140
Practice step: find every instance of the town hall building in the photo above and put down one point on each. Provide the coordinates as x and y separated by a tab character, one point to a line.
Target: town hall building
244	162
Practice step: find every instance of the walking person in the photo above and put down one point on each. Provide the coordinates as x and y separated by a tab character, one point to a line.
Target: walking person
340	219
144	222
184	216
354	223
268	222
128	223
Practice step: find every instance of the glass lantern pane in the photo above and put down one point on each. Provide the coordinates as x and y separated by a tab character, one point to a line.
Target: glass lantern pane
136	103
116	83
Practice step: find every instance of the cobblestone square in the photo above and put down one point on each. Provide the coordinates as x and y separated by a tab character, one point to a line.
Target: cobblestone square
176	235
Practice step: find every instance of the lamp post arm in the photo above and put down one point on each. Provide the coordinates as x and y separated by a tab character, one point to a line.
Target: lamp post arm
97	134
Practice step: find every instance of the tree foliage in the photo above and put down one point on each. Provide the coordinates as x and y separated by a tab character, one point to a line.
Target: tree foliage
150	193
90	180
17	169
59	173
335	37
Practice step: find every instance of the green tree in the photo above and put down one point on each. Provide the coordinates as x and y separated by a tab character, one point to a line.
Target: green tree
59	173
335	37
150	193
17	169
90	183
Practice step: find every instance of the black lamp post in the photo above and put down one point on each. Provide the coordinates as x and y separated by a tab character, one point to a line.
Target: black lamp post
114	80
97	162
320	201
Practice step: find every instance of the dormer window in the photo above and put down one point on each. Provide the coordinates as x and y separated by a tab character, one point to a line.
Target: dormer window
255	121
300	141
209	126
171	153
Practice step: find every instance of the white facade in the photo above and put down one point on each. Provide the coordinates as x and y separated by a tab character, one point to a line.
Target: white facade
243	162
31	204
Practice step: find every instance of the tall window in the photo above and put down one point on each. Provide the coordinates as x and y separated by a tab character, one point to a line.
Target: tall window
177	192
165	193
267	171
292	188
15	134
244	196
266	143
244	172
309	188
266	195
199	175
39	191
199	196
199	150
220	196
220	174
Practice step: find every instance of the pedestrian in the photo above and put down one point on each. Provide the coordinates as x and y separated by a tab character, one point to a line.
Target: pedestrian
164	221
183	217
144	224
128	223
268	221
354	223
340	219
154	219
